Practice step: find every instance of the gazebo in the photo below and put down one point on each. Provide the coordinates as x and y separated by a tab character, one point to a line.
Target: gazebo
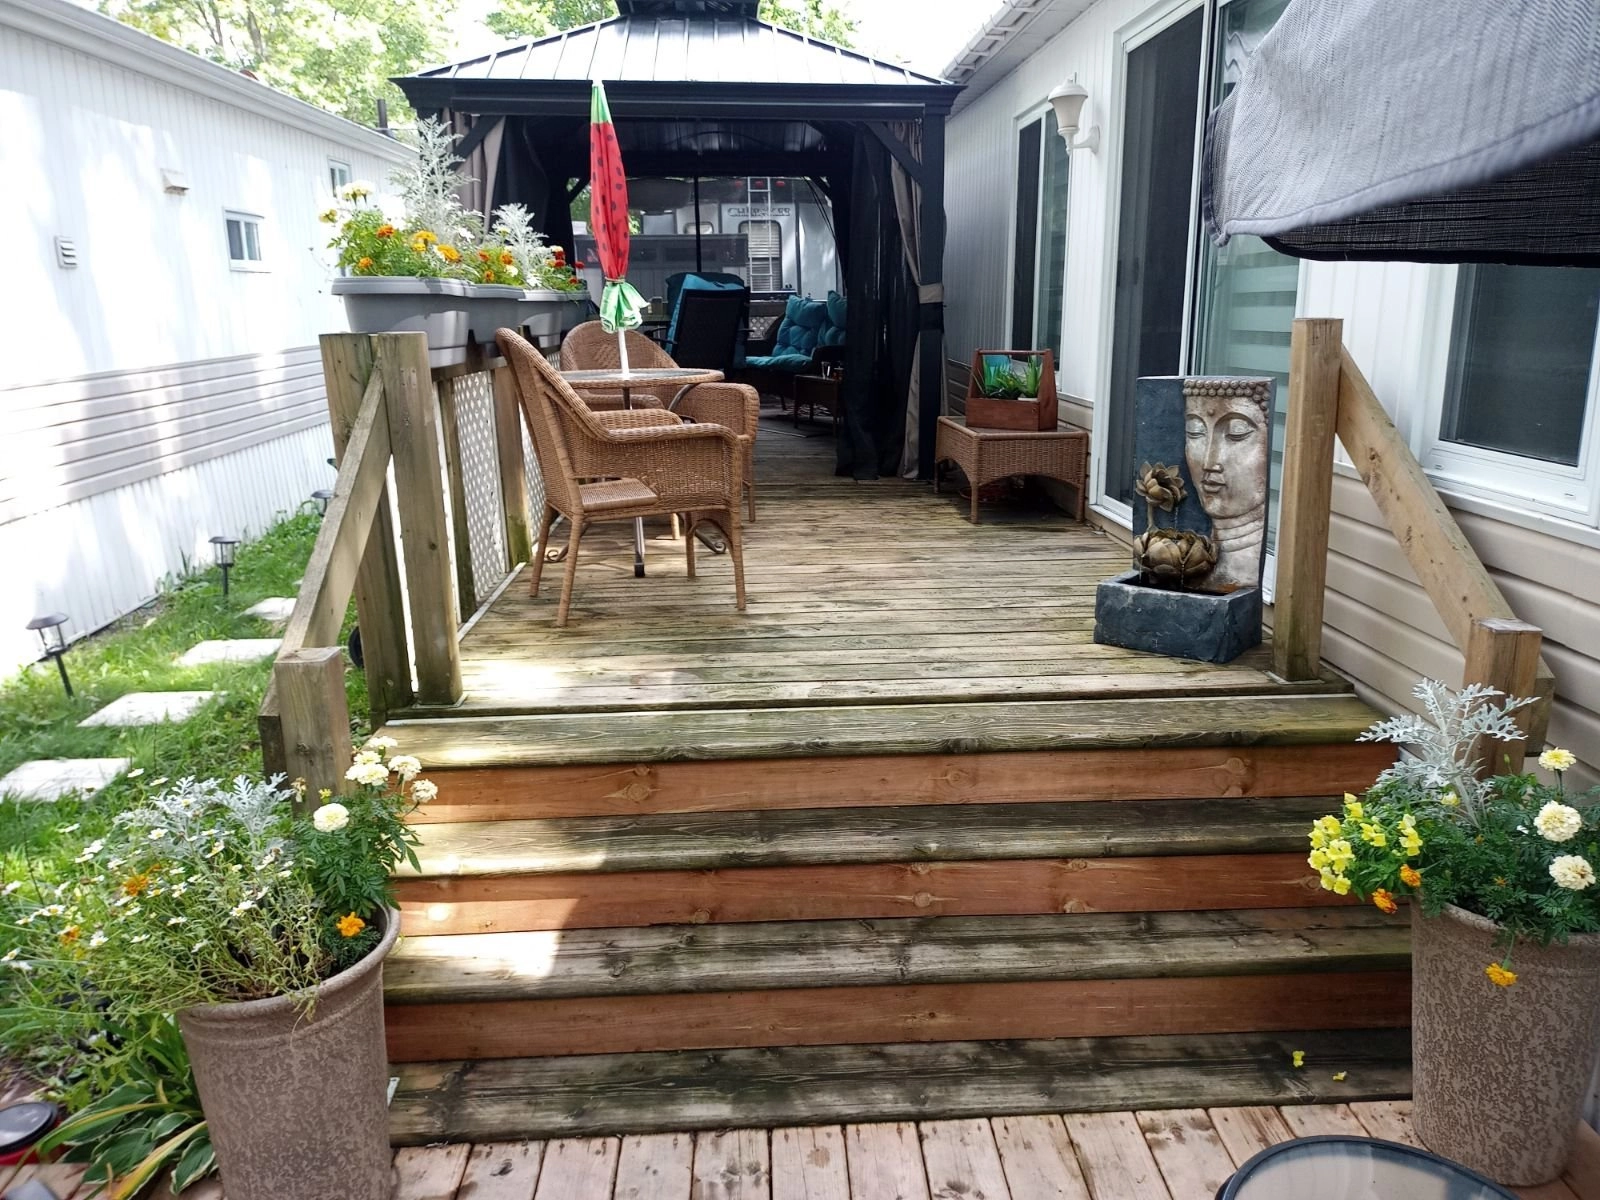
704	88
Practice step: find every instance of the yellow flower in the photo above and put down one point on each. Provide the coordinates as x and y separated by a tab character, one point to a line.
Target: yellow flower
1353	808
1383	900
1339	1076
1328	879
328	216
1450	800
385	231
363	263
1298	1058
450	254
1318	859
1373	836
1319	839
349	926
133	885
1340	854
1410	842
1499	976
421	241
1341	886
1410	876
1330	825
1557	760
69	935
1407	821
325	794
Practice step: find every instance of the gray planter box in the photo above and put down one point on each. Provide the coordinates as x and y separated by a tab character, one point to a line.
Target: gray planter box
551	313
493	306
1197	625
397	304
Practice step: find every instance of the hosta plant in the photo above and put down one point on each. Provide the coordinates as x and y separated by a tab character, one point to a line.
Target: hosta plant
1511	848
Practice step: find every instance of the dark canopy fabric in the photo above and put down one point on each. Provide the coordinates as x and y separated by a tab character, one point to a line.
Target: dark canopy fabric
1418	131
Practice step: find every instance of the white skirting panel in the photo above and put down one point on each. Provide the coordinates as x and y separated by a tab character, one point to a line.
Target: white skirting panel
99	558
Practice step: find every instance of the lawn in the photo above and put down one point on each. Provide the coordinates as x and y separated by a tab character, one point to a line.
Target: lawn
140	653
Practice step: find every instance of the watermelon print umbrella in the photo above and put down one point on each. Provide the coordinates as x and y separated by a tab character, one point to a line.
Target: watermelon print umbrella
620	302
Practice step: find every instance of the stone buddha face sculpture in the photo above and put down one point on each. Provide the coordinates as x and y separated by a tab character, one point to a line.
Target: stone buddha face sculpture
1228	446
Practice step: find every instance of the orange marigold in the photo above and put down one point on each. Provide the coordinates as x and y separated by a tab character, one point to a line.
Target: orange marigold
506	258
363	263
69	935
483	256
488	274
450	254
1410	876
350	925
1499	976
1385	901
135	885
385	231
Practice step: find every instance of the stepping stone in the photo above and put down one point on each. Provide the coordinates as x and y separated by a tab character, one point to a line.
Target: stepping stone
49	779
230	650
148	708
273	608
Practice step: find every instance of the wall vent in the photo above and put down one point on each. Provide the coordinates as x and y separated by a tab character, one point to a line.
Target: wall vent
66	252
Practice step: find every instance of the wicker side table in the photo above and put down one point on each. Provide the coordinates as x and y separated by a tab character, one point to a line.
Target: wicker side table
989	454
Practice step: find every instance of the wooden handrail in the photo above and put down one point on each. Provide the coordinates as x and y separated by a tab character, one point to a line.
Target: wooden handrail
1329	394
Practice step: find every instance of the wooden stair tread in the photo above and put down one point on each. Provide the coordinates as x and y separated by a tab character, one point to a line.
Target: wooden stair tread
933	833
846	729
865	953
594	1095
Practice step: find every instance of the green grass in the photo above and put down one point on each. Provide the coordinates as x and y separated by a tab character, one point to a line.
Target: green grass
139	654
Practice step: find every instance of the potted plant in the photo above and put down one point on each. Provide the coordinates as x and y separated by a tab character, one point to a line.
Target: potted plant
1012	389
1505	918
261	924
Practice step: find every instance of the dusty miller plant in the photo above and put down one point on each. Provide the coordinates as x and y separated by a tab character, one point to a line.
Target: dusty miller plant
429	188
513	226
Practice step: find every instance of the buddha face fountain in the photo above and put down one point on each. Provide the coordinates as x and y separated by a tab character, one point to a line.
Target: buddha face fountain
1228	449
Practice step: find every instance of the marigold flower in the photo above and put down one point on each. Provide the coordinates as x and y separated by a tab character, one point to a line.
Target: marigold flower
488	274
380	743
406	766
1557	760
349	925
506	258
363	263
424	790
68	935
483	256
385	231
368	756
1410	876
1383	900
133	885
330	818
1558	822
1571	872
1499	976
450	254
368	774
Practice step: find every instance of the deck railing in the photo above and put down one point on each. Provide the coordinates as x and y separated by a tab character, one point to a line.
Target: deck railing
1329	397
449	441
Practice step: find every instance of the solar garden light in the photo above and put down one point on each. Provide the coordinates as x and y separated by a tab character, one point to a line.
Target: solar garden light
322	496
223	548
54	643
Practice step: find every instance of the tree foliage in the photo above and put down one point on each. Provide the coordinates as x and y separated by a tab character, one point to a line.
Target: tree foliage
336	54
535	18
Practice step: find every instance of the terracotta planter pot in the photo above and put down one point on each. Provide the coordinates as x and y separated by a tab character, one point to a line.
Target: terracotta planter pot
298	1104
1499	1074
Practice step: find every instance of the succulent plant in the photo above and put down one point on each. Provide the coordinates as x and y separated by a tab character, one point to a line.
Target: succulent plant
1174	558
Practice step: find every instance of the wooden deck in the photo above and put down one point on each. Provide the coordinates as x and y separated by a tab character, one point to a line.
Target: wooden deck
859	593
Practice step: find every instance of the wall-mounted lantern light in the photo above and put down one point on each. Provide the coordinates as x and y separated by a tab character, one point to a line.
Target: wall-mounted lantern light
1067	101
53	642
223	547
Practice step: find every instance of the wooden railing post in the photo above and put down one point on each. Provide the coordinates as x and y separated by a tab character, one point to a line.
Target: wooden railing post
513	470
1504	654
402	359
1307	497
315	717
347	363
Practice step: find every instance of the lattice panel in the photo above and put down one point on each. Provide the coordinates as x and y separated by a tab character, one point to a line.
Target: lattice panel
480	475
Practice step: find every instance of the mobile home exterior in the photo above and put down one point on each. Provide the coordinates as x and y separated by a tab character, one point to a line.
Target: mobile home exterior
167	282
1489	372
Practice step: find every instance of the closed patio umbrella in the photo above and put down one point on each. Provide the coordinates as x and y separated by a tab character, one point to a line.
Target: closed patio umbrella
1415	130
620	302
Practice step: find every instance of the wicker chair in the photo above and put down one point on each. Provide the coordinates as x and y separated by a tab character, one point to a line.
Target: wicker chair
732	405
613	466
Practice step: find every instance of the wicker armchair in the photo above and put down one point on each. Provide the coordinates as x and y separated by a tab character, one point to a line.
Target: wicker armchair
612	466
732	405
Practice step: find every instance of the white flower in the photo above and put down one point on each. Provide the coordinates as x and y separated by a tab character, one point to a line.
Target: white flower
1556	759
50	910
217	847
199	946
10	955
357	189
11	888
135	773
139	937
1571	872
380	743
90	851
243	907
179	889
158	781
73	828
113	863
371	774
407	766
424	790
157	834
97	939
331	818
368	756
177	920
21	965
1558	822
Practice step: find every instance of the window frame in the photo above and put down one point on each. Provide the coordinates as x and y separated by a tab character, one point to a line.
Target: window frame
1512	480
246	220
335	166
1042	115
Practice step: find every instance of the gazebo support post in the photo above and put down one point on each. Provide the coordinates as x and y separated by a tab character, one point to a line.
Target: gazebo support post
931	298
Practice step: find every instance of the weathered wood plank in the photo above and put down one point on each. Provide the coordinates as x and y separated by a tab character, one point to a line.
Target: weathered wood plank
808	1163
1008	886
814	1016
578	1169
1386	1119
430	1172
1187	1149
507	793
656	1166
814	732
861	953
1504	655
806	837
513	469
1039	1161
885	1162
1116	1162
501	1171
1245	1132
961	1161
732	1164
570	1097
315	717
1310	1120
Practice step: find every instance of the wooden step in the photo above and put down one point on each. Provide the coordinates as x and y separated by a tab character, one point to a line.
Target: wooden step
617	1093
1165	773
552	739
827	983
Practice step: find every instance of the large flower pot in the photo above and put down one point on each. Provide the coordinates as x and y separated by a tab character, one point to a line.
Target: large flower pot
399	304
547	313
491	307
1499	1073
297	1100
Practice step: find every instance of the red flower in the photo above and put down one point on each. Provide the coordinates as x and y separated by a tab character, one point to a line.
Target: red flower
578	266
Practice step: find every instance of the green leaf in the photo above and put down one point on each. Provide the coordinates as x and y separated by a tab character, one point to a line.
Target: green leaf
198	1161
134	1181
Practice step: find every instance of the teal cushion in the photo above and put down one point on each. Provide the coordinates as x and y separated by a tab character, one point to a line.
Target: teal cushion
793	363
697	283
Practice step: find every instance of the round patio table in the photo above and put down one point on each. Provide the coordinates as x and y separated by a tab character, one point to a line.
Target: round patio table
1353	1168
652	378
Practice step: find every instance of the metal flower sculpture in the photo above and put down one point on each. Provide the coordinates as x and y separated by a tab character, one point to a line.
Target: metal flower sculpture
1168	556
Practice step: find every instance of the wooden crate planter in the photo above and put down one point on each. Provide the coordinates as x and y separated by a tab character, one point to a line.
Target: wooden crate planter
1036	413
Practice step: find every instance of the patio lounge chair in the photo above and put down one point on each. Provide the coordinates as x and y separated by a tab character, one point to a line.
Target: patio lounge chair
811	332
735	406
612	466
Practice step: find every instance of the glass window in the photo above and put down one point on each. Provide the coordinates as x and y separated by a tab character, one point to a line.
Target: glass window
1041	245
1026	249
338	174
244	240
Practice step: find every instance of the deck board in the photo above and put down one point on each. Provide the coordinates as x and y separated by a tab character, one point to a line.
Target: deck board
858	593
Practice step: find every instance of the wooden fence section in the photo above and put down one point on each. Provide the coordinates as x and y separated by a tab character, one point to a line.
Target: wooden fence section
396	418
1329	397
